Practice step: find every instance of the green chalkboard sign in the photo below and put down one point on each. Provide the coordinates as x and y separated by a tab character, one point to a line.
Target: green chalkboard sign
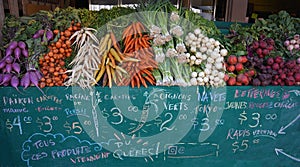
156	126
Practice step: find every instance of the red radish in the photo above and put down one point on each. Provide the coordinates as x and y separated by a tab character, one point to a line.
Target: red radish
16	67
231	81
8	68
238	84
251	72
239	67
231	68
242	59
226	77
232	59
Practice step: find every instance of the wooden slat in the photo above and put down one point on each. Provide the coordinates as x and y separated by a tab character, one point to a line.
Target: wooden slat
13	7
24	4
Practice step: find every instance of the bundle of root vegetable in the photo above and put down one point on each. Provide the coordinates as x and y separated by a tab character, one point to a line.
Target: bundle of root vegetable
137	45
110	70
52	64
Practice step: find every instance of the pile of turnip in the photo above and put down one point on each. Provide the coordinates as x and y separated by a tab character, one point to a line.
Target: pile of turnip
293	44
206	56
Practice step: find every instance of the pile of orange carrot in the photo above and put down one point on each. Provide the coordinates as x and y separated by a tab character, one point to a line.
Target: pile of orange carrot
137	45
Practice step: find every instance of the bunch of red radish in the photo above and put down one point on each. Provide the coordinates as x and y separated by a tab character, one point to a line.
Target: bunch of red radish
238	74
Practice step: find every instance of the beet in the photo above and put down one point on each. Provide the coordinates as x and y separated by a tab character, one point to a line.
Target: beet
265	52
297	77
259	51
255	45
275	66
278	59
256	82
262	44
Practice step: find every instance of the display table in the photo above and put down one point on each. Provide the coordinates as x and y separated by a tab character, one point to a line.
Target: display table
158	126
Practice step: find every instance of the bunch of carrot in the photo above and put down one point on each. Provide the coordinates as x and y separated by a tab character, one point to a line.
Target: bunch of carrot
52	64
110	70
137	45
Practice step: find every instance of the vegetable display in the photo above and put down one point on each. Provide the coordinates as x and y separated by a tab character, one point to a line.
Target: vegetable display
154	43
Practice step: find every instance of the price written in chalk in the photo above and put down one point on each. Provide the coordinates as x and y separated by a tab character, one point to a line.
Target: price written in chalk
204	123
254	119
74	127
45	123
242	146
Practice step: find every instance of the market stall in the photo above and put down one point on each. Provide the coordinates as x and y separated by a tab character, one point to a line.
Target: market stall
154	85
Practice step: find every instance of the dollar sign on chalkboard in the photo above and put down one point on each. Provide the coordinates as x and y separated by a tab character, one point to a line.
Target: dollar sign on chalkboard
68	127
242	117
8	124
